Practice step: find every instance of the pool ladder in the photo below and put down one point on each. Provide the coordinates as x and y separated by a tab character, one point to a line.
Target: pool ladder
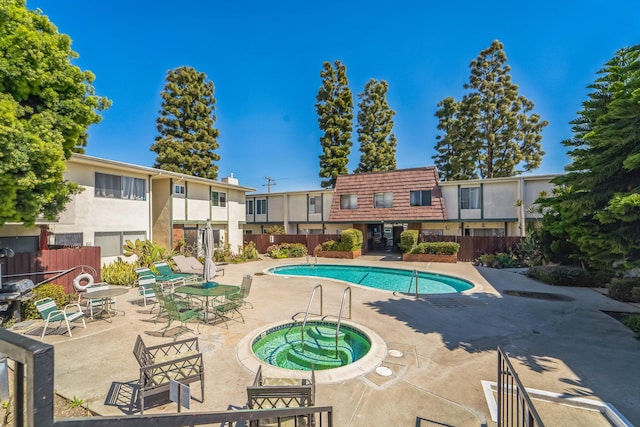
315	260
414	274
306	313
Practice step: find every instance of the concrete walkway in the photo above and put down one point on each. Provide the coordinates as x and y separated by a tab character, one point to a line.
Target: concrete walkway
448	345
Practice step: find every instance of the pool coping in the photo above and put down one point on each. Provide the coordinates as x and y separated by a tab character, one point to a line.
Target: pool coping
477	287
361	367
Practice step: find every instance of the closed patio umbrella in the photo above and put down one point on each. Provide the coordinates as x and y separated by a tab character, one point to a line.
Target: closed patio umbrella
209	270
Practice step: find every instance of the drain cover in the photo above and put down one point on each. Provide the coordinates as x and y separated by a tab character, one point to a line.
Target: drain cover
395	353
383	371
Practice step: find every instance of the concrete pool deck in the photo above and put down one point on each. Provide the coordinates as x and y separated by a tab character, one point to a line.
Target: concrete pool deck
445	346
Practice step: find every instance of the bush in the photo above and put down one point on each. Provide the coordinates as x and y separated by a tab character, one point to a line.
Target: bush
408	239
624	289
146	252
438	248
351	239
49	290
287	250
569	276
499	260
632	322
119	272
249	252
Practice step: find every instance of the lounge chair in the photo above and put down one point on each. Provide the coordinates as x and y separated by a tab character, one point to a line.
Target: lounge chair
188	265
166	274
50	312
192	265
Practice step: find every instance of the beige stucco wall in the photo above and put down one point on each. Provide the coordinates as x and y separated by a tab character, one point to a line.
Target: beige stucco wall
499	199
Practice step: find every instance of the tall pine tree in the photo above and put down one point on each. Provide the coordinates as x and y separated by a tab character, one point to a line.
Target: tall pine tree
334	105
596	210
495	132
375	126
187	140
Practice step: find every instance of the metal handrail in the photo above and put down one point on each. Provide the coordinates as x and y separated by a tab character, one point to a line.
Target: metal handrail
510	413
306	313
344	293
414	273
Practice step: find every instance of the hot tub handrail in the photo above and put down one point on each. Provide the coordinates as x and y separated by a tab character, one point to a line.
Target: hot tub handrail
344	294
306	313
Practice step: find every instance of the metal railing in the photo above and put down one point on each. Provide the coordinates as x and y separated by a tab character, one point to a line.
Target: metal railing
514	404
306	313
32	401
344	294
414	274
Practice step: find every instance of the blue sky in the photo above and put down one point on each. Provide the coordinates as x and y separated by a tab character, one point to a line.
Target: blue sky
265	57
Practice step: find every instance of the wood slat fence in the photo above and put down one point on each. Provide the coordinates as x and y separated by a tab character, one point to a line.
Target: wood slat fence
42	265
471	247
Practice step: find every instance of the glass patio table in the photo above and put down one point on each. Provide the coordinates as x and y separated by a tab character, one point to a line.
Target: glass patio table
214	292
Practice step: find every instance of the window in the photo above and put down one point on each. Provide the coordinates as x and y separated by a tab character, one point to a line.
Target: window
261	207
470	198
349	201
315	205
420	198
383	200
119	187
179	191
67	239
249	207
111	243
218	198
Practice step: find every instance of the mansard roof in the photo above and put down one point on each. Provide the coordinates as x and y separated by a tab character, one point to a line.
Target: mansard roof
400	182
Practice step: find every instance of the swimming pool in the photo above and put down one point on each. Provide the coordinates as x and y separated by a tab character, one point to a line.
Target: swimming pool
283	345
390	279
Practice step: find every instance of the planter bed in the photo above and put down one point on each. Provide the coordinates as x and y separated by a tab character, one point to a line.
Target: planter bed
430	258
339	254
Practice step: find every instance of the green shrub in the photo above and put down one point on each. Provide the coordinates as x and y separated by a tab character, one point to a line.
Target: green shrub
623	289
569	276
408	239
635	294
49	290
249	252
632	322
438	248
119	272
287	250
351	239
499	260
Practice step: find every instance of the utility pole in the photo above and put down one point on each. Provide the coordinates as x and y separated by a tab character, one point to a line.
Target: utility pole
270	182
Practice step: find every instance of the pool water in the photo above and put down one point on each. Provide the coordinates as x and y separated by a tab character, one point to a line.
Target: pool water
390	279
282	346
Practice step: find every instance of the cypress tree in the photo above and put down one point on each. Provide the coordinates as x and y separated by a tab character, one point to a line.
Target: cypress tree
495	127
187	137
334	105
375	126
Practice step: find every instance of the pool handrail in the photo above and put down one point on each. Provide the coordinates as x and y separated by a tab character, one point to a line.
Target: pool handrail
344	293
306	313
414	273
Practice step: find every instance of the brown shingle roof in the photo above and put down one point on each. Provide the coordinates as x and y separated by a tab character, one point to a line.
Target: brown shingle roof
400	183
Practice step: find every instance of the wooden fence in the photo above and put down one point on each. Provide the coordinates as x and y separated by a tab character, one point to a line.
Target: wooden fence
42	265
263	241
471	247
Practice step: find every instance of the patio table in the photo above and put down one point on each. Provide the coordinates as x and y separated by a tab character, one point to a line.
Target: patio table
105	296
214	292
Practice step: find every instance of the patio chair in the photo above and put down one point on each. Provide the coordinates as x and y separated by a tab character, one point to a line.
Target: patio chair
176	310
145	290
241	296
50	312
188	265
166	274
145	272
